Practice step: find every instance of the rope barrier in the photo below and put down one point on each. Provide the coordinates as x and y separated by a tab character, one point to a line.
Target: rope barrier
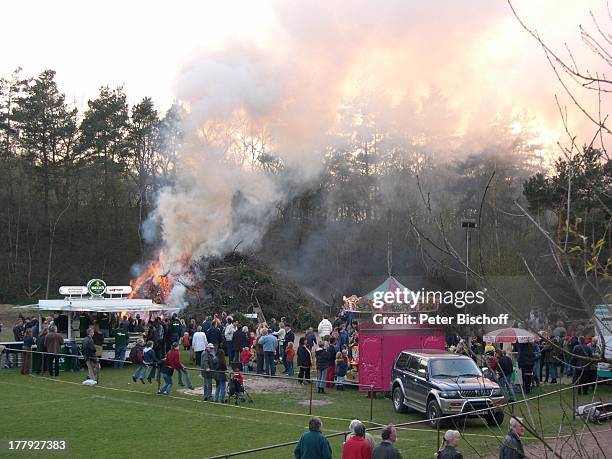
196	369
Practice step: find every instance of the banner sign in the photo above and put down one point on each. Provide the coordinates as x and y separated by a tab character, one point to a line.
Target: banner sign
72	290
118	290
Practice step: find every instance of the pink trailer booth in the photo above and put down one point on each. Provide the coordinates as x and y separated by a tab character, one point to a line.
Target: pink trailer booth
379	345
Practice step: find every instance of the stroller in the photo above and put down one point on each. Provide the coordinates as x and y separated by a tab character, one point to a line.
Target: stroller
235	389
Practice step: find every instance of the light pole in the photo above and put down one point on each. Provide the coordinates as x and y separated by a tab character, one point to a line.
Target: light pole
468	224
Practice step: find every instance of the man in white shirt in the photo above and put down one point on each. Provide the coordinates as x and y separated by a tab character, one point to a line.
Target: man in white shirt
325	328
230	328
199	344
280	350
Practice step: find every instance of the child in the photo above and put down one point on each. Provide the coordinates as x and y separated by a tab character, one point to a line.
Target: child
289	357
341	368
150	359
236	386
186	343
166	371
245	358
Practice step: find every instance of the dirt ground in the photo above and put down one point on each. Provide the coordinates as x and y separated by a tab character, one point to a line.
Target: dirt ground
592	446
259	385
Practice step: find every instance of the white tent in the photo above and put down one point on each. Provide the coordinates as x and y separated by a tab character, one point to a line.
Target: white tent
99	304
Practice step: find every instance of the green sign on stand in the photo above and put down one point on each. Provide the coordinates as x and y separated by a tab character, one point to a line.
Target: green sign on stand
96	287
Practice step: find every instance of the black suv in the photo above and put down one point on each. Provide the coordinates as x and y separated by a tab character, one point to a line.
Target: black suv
441	383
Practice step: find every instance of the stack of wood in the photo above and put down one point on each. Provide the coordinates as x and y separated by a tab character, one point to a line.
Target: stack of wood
240	284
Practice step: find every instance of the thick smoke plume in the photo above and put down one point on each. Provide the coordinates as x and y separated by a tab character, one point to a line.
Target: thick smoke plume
431	71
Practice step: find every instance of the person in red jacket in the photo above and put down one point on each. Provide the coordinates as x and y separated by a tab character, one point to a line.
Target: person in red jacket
357	447
174	361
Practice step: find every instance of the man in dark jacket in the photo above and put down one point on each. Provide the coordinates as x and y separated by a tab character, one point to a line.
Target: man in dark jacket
386	450
121	343
42	347
208	366
451	439
581	364
158	334
139	326
304	361
54	343
239	341
313	444
504	372
173	328
512	447
89	352
214	336
526	360
550	352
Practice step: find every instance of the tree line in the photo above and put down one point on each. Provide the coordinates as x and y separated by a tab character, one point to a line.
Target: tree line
76	187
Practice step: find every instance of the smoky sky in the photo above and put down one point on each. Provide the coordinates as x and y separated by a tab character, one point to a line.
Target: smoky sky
439	71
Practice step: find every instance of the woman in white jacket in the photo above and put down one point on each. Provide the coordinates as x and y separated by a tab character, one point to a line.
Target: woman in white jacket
325	328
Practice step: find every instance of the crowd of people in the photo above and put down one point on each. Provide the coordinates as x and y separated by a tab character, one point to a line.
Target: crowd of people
219	343
561	348
223	349
360	444
216	345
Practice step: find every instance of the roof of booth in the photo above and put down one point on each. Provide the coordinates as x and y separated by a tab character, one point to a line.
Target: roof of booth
391	284
98	305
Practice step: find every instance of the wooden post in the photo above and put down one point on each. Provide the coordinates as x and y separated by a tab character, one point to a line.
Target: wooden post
371	402
310	406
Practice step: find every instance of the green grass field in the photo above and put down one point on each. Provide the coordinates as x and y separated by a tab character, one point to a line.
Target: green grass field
119	419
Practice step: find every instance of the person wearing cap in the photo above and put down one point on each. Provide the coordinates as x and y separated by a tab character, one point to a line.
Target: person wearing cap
451	439
208	366
386	450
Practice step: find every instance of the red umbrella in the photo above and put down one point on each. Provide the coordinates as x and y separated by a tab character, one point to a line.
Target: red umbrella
510	335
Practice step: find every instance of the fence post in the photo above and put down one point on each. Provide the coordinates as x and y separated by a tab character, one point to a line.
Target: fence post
371	402
573	403
310	405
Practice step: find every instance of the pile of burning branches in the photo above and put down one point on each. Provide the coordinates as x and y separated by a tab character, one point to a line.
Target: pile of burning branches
237	283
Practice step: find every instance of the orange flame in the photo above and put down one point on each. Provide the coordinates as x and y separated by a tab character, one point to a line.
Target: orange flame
153	283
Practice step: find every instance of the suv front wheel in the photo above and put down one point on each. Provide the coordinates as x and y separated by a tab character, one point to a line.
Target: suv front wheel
398	400
433	413
495	419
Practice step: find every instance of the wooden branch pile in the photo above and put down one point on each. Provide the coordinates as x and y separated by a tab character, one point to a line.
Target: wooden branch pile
237	283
